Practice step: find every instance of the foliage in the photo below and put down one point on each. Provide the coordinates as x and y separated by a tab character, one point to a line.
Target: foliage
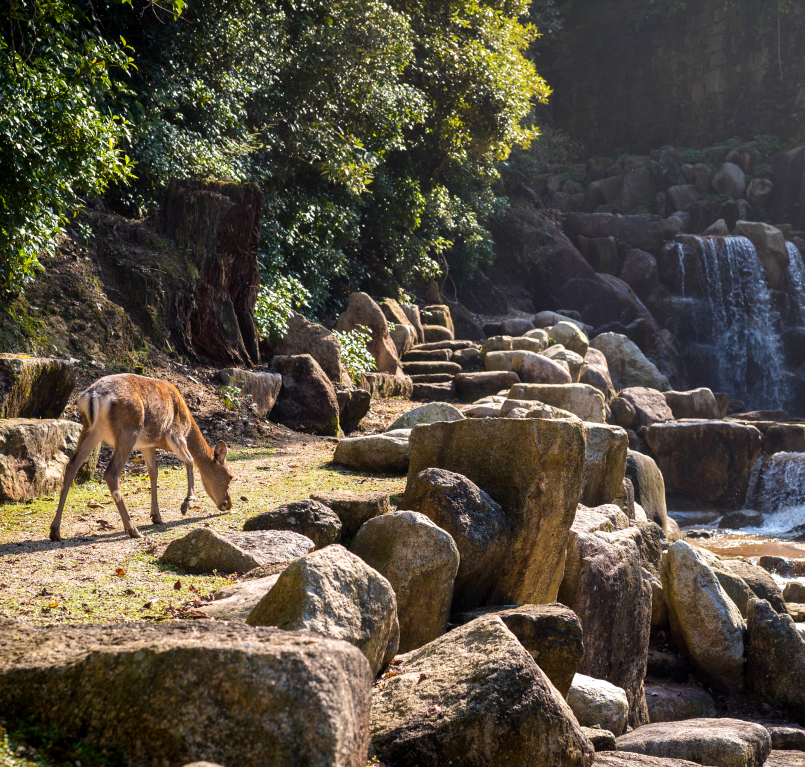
768	145
275	304
229	395
764	170
693	156
355	355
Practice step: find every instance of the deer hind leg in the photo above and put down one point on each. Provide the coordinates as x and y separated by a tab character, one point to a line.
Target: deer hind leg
179	446
150	457
87	442
123	448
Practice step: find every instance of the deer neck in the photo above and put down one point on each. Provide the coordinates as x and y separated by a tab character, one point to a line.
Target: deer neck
202	453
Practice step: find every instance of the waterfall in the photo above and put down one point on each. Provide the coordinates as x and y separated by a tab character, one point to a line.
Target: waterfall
743	324
796	279
777	489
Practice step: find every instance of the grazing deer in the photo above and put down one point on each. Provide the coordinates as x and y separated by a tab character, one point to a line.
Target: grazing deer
132	412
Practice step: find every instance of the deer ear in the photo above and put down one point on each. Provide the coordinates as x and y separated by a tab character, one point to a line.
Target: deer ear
220	451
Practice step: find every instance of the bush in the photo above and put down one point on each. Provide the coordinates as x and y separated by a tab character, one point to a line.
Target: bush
275	304
355	357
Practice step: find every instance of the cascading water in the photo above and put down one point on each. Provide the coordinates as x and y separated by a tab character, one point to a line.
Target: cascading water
777	488
796	279
742	323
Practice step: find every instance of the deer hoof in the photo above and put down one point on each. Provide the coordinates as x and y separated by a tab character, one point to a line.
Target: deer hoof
134	532
54	534
185	507
157	519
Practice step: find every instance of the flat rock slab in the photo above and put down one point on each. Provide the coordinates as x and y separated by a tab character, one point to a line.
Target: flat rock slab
716	742
34	387
33	454
205	551
676	703
787	738
184	691
353	509
470	386
384	453
430	413
623	759
786	759
235	602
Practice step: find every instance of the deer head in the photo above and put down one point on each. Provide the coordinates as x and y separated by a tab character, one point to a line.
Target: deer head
216	478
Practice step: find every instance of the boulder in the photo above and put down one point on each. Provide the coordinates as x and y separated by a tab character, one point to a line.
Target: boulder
547	319
474	697
353	509
404	334
470	386
334	594
34	387
384	453
649	486
601	740
775	658
596	702
683	195
785	759
500	360
309	518
603	584
33	454
574	363
307	400
362	310
627	365
638	185
794	591
430	413
582	400
420	560
705	622
540	335
536	368
435	333
759	192
411	311
787	738
605	467
437	315
771	249
204	551
431	368
305	337
719	229
353	405
675	703
659	609
639	272
533	469
551	634
698	403
717	742
570	336
386	386
513	408
759	582
600	252
475	522
429	355
236	601
433	392
516	326
625	759
730	180
497	343
710	461
530	344
648	405
595	372
480	294
181	691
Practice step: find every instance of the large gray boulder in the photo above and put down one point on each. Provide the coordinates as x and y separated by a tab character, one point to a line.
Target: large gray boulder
307	517
307	398
430	413
595	372
260	390
475	522
730	180
34	387
775	658
717	742
205	551
182	691
675	703
236	601
420	560
335	594
605	467
638	408
598	703
697	403
474	697
538	368
649	487
570	336
354	508
582	400
628	366
534	470
551	634
705	623
385	453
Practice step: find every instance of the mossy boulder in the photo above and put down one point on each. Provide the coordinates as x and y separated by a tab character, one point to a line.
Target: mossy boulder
34	387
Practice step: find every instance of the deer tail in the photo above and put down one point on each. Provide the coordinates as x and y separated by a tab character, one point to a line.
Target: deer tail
89	405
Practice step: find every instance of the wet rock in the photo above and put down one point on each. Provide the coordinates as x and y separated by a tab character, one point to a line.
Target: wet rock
595	372
533	469
235	602
705	622
309	518
420	560
649	487
788	568
307	400
605	467
475	522
718	742
603	584
639	272
771	249
305	337
430	413
33	454
474	697
362	310
775	658
676	703
710	460
353	509
204	551
596	702
34	387
334	594
698	403
580	399
628	366
551	634
186	690
385	453
730	180
471	386
759	192
794	592
536	368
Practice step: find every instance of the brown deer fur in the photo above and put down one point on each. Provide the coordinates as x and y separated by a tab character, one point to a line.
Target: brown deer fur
130	412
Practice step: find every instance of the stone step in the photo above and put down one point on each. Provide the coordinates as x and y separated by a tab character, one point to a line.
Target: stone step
471	386
428	368
433	378
435	392
453	345
428	355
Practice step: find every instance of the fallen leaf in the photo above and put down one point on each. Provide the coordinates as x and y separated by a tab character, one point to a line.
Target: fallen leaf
243	498
192	587
136	460
54	604
178	585
422	678
120	572
94	505
146	606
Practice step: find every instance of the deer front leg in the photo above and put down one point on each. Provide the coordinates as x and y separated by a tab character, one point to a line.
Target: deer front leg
179	446
87	442
150	457
123	448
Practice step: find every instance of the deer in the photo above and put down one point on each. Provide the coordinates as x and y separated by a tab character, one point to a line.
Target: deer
131	412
